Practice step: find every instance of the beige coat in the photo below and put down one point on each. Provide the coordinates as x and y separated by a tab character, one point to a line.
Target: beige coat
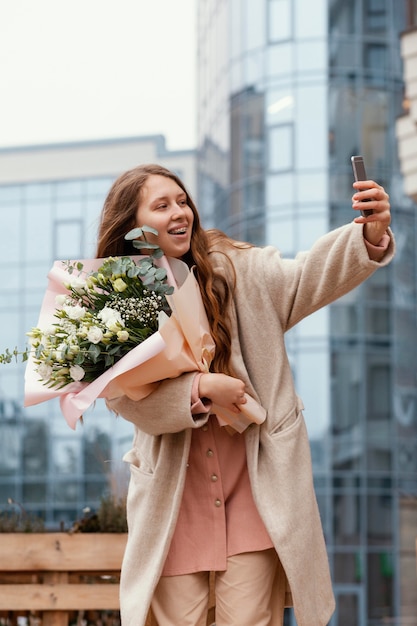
271	296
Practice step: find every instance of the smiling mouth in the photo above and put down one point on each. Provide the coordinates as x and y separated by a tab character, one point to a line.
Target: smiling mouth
178	231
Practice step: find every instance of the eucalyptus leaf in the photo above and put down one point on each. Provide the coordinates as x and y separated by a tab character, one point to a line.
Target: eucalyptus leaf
94	352
134	234
149	229
160	273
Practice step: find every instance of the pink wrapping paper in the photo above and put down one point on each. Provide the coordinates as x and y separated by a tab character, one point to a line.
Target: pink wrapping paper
183	343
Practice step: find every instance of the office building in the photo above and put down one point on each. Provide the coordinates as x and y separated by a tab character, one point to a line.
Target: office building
50	200
288	91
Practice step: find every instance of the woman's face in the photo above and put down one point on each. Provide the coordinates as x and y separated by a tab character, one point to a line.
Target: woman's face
163	206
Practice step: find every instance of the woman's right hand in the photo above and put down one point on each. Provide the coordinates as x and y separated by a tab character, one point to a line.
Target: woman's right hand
223	390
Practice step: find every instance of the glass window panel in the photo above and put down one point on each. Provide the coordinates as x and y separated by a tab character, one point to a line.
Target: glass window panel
35	448
10	235
95	490
347	374
375	15
311	227
380	586
377	320
279	20
254	23
311	150
311	188
34	492
66	456
69	188
280	157
34	278
280	233
98	186
310	18
280	60
37	228
375	60
236	28
343	319
311	56
68	239
380	523
379	391
69	208
279	191
10	331
348	609
279	106
347	568
38	192
10	443
341	18
254	68
10	194
346	517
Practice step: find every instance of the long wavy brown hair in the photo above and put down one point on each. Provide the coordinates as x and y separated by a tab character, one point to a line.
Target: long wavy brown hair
119	216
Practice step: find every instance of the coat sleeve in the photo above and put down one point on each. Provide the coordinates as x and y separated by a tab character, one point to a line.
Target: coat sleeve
337	263
166	410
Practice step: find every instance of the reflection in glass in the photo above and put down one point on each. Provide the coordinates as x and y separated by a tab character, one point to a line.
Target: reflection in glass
346	516
279	20
380	585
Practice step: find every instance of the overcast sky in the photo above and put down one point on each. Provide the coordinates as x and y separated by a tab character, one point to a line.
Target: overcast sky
88	69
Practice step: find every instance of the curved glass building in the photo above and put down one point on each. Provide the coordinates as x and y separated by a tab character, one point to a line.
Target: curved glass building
288	91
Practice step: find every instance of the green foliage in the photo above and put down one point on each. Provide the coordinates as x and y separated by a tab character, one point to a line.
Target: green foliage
8	355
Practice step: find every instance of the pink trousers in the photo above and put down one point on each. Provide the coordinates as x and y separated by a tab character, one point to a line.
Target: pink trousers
243	594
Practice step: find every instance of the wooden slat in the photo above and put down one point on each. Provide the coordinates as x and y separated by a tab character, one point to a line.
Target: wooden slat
62	551
59	597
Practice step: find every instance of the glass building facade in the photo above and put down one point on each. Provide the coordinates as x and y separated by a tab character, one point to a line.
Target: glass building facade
50	202
288	91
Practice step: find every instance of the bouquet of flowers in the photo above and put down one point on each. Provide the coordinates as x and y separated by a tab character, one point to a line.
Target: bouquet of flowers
118	326
102	317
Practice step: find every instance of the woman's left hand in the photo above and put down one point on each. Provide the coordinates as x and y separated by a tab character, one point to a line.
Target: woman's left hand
370	195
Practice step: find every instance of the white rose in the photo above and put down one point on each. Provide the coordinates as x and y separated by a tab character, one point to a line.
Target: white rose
95	334
44	371
111	319
122	335
75	312
78	284
60	299
76	372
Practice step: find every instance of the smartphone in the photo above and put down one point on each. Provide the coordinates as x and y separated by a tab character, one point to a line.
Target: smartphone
359	173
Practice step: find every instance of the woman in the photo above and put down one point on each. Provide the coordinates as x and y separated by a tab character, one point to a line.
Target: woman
199	499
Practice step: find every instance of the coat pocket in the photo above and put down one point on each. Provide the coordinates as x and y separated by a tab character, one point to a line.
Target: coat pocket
289	423
138	464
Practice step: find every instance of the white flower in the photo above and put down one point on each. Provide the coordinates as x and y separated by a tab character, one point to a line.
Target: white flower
95	334
60	299
45	371
77	284
50	331
122	335
75	312
111	319
119	285
76	372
